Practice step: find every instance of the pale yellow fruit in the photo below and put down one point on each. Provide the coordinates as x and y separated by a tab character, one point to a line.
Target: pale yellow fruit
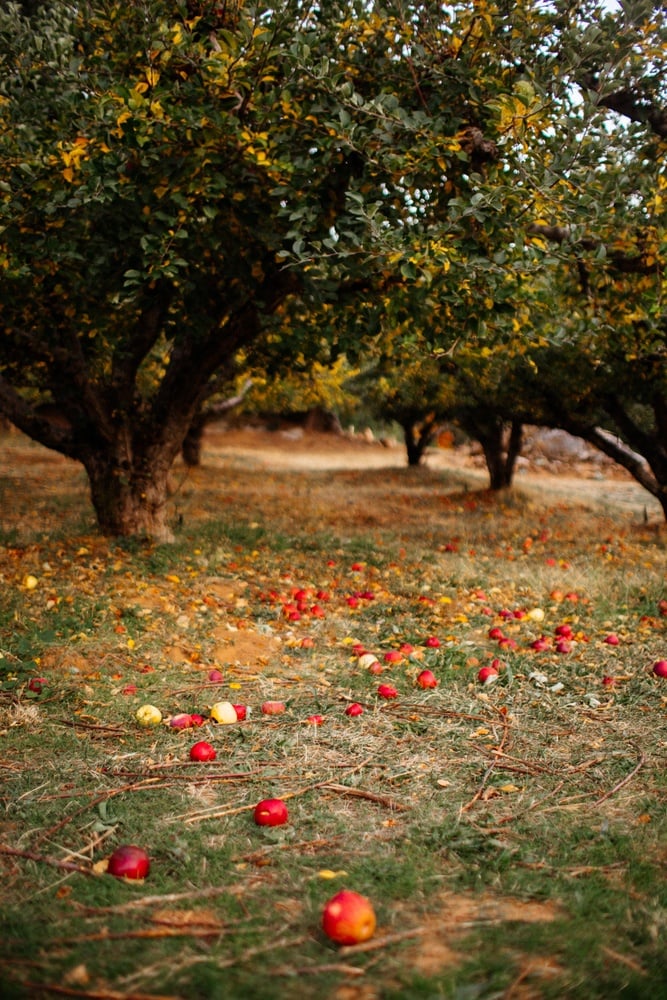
366	659
224	712
148	715
536	615
30	582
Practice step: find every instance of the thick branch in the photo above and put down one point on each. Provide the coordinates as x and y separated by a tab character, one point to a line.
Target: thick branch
631	105
40	428
626	263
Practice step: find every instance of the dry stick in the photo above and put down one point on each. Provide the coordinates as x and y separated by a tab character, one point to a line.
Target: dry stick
96	994
67	866
621	784
382	800
315	970
136	904
136	786
489	770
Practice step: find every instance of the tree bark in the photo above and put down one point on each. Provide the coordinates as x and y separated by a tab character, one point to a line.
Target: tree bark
130	496
500	451
418	436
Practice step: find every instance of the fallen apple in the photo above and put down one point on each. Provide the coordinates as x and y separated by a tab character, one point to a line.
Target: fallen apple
196	719
224	713
181	721
564	631
271	812
540	645
367	660
387	691
393	656
660	668
36	684
487	675
215	676
427	679
202	751
354	709
315	720
563	646
611	639
348	918
432	642
129	861
241	712
273	707
148	715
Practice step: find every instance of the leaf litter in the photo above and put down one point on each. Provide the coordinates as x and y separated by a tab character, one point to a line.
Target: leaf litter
538	775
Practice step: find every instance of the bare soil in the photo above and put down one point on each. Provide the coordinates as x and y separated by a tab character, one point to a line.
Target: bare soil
600	486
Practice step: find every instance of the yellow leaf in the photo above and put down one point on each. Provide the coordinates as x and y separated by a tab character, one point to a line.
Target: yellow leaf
508	789
68	174
152	75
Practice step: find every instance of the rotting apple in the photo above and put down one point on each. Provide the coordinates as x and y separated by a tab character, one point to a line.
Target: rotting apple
129	861
660	668
273	707
348	918
271	812
148	715
223	712
427	679
202	751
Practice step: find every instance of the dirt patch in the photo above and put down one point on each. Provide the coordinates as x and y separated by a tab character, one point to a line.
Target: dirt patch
438	945
244	648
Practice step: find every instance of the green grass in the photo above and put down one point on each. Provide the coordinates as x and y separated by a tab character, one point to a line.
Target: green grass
511	838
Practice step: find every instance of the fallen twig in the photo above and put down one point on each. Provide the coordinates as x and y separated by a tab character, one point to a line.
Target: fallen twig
621	784
383	800
68	866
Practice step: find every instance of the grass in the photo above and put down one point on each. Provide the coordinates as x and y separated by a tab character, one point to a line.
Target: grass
511	837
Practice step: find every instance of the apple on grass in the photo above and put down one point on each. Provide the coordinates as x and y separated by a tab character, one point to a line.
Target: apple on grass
348	918
487	675
387	691
129	861
202	751
271	812
273	707
148	715
427	679
224	713
660	668
354	709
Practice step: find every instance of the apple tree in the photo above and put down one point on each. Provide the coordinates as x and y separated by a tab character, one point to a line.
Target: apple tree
172	174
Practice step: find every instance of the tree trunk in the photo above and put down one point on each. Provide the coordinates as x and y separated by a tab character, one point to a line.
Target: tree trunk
500	452
192	442
418	435
130	495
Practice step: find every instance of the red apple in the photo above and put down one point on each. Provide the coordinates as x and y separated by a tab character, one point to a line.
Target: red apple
271	812
215	676
36	684
387	691
564	631
487	675
427	679
496	633
196	719
540	645
611	639
609	681
273	707
348	918
315	720
563	646
354	709
393	656
241	711
129	861
180	721
432	642
660	668
202	751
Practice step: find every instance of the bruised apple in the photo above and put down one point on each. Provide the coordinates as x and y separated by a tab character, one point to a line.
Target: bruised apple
348	918
129	861
271	812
